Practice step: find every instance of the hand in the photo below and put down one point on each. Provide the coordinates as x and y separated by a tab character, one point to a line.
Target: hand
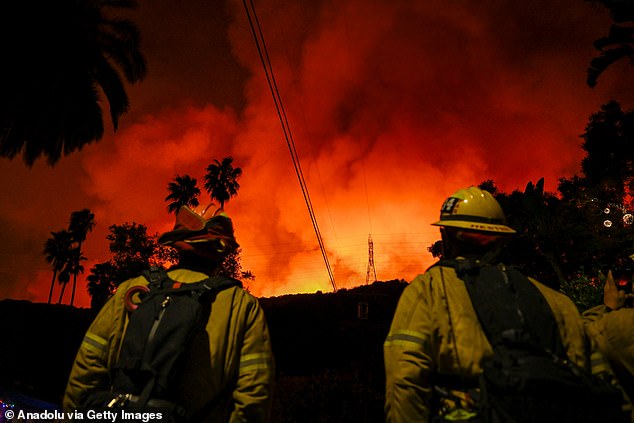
612	297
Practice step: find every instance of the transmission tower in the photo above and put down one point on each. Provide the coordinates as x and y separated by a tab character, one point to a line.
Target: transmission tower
371	270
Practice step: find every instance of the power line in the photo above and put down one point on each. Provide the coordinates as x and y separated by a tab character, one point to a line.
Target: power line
277	99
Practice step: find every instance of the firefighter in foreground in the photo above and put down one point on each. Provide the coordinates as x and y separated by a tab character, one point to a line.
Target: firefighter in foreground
228	376
436	345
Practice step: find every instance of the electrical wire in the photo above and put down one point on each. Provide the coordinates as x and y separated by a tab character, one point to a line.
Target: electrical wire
279	107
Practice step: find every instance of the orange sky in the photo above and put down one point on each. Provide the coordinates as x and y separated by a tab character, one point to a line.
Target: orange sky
393	105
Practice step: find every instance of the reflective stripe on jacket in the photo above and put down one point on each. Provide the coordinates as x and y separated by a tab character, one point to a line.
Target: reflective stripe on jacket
228	378
422	341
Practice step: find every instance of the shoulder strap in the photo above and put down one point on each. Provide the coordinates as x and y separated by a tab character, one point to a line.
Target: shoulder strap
155	276
208	287
218	283
540	319
461	266
510	308
158	277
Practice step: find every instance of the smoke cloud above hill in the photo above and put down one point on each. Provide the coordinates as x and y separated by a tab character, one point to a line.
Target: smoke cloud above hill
393	105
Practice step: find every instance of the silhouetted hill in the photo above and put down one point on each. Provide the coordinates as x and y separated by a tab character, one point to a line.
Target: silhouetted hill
327	346
329	355
327	330
39	342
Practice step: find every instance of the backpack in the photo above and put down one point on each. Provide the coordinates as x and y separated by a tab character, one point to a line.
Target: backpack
157	337
529	378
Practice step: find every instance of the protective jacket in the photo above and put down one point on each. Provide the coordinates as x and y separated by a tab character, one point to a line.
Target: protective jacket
613	332
435	333
228	380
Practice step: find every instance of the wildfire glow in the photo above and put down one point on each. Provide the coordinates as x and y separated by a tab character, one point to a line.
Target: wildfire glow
393	105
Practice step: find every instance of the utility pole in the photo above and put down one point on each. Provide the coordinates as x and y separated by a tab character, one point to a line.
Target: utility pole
371	274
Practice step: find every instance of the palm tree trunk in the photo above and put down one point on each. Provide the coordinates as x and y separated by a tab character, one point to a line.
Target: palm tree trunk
72	295
61	294
50	293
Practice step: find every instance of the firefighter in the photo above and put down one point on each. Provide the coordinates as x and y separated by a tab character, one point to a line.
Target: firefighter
435	347
229	376
611	326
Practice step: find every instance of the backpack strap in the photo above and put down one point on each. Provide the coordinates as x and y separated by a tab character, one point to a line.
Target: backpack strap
510	308
161	283
220	283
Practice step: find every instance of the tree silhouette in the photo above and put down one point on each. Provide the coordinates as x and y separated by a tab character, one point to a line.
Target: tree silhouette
619	43
602	195
131	249
183	192
73	267
609	144
101	284
59	58
543	235
63	278
221	180
57	252
81	222
231	267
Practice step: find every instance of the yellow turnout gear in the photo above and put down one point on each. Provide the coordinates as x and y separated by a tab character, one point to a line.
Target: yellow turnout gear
435	332
228	380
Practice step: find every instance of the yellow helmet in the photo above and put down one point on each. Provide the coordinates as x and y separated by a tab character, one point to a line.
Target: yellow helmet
473	209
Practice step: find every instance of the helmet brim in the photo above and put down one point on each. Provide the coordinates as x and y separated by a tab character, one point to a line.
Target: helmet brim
476	226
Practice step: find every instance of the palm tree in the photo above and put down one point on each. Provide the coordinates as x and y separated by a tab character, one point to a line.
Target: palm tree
221	180
57	251
619	44
63	278
73	267
60	57
81	222
183	192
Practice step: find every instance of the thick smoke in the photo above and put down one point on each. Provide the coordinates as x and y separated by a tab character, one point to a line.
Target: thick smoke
393	105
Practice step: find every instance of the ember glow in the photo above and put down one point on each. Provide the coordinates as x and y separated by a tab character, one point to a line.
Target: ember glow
393	105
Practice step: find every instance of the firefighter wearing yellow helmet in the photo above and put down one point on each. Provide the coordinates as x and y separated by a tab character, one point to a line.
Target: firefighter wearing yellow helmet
473	209
231	378
436	347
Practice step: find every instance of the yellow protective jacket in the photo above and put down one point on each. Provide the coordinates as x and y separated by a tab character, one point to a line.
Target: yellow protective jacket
230	381
613	332
420	343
